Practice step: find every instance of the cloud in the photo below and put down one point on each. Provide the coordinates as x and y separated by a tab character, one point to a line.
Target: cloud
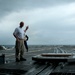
48	24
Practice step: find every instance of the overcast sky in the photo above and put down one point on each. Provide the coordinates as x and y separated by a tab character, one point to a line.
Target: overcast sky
51	22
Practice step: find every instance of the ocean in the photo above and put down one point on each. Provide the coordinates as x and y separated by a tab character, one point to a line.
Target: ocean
67	48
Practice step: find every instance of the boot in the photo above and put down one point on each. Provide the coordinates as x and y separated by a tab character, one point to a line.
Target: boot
22	59
17	60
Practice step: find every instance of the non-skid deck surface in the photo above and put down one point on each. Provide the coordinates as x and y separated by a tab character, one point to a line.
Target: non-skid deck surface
32	67
68	69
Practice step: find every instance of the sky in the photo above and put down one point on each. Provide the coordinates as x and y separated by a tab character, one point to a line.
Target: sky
51	22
